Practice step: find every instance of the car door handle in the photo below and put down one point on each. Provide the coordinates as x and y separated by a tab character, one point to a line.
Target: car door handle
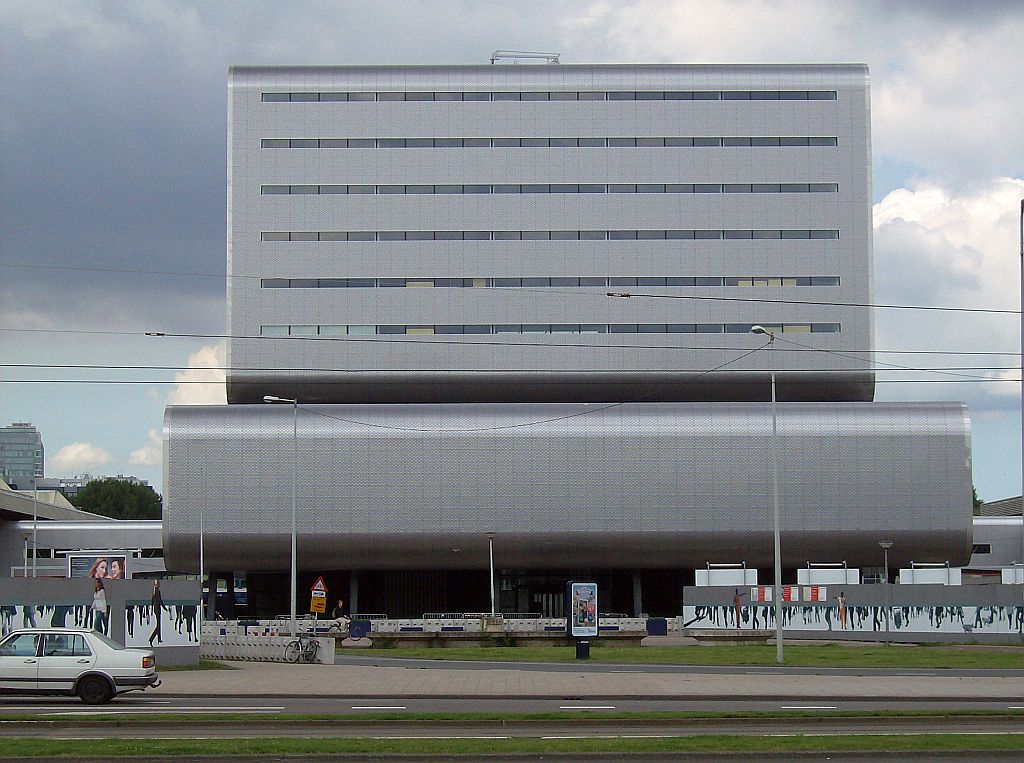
29	661
83	662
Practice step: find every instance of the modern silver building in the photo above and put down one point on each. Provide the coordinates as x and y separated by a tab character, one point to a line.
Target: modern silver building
519	300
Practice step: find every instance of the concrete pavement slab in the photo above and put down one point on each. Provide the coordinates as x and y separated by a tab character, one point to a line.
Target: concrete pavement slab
437	680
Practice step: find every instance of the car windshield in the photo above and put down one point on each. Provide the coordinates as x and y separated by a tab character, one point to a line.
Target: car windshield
108	641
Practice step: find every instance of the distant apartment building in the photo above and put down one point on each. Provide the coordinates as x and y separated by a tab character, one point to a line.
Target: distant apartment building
21	455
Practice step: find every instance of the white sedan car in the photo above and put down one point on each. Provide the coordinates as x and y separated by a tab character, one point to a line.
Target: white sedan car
73	661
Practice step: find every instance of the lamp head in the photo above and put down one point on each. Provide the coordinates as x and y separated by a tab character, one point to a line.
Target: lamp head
886	544
276	399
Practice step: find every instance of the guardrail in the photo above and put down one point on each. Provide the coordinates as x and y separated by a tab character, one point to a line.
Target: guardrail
434	622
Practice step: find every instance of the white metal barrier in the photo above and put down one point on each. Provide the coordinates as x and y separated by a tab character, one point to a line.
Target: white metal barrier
257	648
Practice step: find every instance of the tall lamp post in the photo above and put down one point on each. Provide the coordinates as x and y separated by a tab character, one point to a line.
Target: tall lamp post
775	507
35	522
886	545
1022	372
490	555
295	479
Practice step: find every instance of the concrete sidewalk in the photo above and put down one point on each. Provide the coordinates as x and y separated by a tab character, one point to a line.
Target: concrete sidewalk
433	679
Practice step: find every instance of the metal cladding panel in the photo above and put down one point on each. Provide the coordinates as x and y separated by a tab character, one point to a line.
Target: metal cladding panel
565	486
355	369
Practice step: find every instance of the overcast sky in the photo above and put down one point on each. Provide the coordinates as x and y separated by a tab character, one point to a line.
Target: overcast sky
112	184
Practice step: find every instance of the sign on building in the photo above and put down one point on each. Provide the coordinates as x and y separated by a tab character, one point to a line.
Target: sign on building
108	565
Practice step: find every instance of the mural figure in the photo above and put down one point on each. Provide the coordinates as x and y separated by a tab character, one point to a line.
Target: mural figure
99	607
157	604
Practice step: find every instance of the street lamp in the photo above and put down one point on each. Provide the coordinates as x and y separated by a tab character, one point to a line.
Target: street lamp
35	521
1022	384
886	545
295	479
204	605
490	554
775	505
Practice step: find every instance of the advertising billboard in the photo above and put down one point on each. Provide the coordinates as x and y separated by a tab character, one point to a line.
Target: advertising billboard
109	565
582	616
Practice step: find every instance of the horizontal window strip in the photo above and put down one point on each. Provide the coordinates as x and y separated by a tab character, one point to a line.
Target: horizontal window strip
545	328
547	95
683	142
555	282
548	235
527	188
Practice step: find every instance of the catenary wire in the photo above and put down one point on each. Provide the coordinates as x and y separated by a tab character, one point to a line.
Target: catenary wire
444	339
104	367
554	291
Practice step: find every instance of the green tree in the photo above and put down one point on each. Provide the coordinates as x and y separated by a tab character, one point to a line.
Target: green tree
119	499
977	501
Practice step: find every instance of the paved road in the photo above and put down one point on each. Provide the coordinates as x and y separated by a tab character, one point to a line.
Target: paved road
156	704
567	728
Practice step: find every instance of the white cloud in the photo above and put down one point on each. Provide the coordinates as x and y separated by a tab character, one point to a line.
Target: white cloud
937	247
79	457
945	93
203	383
149	454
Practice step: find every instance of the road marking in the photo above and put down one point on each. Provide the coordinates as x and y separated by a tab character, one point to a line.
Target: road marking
148	710
378	707
1015	707
586	707
628	671
441	737
809	707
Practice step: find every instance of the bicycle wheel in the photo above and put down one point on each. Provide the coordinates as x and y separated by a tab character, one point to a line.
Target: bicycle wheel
355	632
292	651
310	649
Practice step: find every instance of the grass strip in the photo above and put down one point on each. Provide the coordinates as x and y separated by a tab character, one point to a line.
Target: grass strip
817	656
653	717
212	748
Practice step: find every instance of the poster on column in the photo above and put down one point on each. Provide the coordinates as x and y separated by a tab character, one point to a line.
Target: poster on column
158	622
583	615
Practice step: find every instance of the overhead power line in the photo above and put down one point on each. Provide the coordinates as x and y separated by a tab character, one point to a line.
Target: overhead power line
561	290
451	339
313	369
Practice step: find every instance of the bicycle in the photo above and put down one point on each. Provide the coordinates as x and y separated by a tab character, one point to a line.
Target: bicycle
303	647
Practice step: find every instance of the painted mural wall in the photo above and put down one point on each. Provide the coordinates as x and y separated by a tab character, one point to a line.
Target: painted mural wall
915	611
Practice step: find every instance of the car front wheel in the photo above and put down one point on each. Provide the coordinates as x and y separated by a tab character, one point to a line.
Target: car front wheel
94	690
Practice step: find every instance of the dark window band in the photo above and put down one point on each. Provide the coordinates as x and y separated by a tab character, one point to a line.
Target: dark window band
527	188
552	235
556	95
683	142
546	328
555	282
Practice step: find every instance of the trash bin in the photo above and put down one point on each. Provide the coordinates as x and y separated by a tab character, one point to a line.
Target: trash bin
582	649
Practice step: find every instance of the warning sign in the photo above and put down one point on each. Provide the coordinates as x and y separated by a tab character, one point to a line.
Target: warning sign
319	586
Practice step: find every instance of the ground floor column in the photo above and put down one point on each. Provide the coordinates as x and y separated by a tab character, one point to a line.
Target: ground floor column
353	593
638	600
211	597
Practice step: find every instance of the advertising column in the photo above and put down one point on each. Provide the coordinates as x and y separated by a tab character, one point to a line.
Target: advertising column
582	616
